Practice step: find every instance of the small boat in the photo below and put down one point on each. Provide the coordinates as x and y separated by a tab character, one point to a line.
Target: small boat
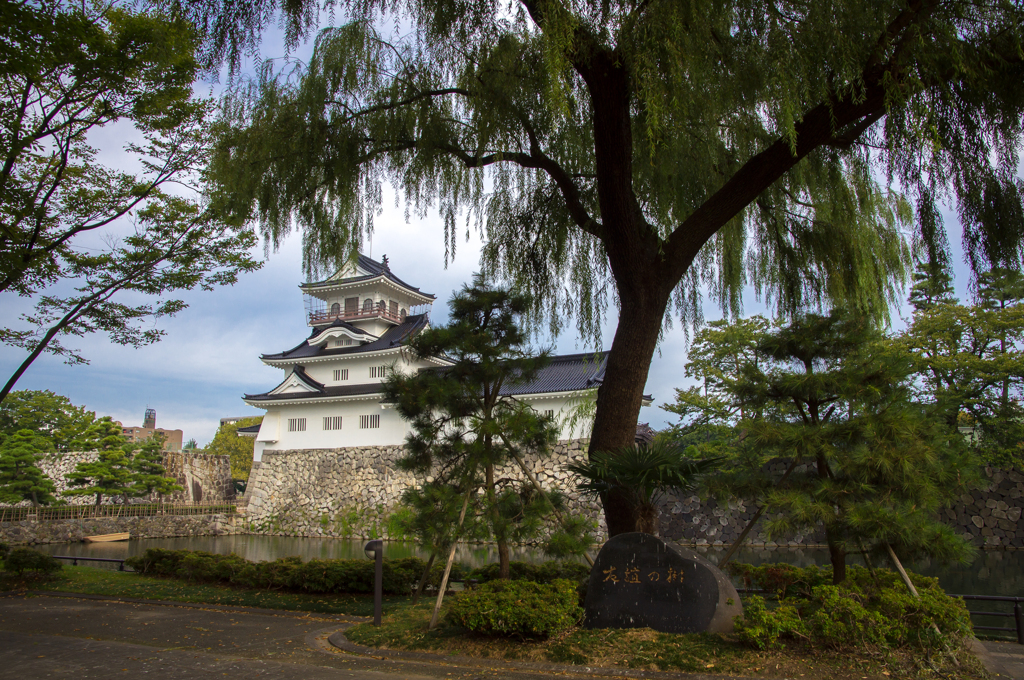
104	538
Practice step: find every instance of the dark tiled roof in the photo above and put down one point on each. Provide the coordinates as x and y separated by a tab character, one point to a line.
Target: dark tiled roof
564	374
300	373
393	337
332	391
375	268
249	429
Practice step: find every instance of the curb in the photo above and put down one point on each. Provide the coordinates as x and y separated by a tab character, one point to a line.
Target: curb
344	618
339	640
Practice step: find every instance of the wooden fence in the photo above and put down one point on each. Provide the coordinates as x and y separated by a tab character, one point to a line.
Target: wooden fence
17	514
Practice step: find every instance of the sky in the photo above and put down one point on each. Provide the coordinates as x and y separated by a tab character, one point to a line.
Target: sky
209	356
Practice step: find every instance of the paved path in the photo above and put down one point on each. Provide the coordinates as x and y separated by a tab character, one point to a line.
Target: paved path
89	639
1005	660
81	639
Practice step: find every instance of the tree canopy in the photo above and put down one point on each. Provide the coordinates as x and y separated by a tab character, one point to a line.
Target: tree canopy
970	360
666	146
47	414
71	72
238	449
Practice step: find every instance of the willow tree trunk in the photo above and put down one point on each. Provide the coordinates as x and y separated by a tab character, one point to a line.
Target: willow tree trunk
643	278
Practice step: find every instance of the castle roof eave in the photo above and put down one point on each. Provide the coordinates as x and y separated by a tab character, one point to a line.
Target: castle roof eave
375	271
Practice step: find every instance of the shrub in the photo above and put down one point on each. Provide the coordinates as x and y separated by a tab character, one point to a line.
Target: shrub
864	610
518	608
538	573
21	560
314	576
4	550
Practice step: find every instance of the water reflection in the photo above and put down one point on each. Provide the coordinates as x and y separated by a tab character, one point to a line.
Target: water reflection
993	572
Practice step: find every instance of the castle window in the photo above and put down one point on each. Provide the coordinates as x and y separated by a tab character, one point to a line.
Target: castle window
332	422
340	374
367	305
335	309
393	308
378	371
351	305
296	424
401	314
549	413
369	422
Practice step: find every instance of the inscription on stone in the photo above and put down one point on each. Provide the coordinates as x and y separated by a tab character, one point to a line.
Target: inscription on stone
639	581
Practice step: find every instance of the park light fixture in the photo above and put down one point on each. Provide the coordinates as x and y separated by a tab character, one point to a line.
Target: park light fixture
374	550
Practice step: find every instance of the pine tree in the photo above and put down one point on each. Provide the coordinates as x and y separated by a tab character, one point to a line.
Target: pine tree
111	473
464	423
970	363
828	393
20	477
149	474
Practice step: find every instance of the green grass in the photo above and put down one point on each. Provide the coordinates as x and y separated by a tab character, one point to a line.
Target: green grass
93	581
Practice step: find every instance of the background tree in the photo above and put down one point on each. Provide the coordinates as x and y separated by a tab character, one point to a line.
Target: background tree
827	394
20	476
238	449
47	414
111	473
465	423
656	144
970	360
71	70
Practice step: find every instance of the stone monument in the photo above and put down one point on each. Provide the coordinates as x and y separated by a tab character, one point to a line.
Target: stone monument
639	581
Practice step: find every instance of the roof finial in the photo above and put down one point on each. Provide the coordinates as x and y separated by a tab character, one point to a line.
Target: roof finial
384	263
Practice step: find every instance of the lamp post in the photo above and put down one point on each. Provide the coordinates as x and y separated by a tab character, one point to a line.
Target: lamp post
374	550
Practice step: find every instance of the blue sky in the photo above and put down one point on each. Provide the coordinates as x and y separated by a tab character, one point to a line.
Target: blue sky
209	356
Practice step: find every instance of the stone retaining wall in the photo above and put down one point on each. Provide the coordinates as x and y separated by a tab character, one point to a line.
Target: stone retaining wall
352	491
156	526
990	516
203	476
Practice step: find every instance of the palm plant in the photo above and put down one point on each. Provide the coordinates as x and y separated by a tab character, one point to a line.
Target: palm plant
641	473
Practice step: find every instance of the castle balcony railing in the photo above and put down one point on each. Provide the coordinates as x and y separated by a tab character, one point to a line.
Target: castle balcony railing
326	316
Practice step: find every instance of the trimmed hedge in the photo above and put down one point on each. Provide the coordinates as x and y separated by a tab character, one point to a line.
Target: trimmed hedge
20	560
864	610
538	573
519	608
314	576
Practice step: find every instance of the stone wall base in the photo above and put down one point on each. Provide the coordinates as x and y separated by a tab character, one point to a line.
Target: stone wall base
352	492
157	526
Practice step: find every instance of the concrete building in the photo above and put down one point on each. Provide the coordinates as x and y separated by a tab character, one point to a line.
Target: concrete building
172	438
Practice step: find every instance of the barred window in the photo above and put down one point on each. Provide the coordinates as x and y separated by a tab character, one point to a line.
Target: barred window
296	424
340	374
332	422
378	371
369	422
549	413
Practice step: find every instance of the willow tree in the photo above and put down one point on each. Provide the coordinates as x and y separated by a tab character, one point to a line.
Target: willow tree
659	145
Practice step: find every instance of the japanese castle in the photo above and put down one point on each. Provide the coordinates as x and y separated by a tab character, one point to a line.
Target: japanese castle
361	318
